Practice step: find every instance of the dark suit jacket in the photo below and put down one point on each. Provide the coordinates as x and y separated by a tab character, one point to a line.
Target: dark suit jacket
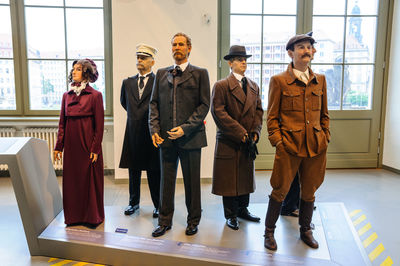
192	105
138	151
235	114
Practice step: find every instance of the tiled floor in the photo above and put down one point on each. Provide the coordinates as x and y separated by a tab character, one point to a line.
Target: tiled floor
373	192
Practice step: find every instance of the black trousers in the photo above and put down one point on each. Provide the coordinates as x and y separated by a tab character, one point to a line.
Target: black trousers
292	200
190	163
153	179
233	205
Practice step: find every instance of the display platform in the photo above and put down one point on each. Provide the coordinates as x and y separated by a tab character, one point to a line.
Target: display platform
40	205
214	244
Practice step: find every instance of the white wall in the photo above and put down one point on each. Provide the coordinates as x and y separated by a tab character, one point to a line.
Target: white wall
154	23
391	147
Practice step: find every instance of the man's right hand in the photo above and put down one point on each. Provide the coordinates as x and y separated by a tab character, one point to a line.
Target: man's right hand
157	140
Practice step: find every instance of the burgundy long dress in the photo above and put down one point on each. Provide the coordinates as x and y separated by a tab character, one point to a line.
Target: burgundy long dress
80	133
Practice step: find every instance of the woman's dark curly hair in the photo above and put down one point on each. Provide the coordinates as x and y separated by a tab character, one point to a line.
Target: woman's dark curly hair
89	70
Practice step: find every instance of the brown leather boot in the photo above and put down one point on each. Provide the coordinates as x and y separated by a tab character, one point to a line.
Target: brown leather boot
305	216
307	237
269	239
274	209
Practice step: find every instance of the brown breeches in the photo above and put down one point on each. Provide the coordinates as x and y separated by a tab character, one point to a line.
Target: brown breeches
311	171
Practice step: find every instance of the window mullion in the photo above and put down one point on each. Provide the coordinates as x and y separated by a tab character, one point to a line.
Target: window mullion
66	44
262	49
343	56
15	25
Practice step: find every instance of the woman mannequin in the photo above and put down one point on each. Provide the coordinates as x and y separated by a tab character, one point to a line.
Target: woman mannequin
80	133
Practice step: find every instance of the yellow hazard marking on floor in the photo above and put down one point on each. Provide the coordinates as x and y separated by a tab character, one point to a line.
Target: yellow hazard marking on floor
99	265
80	264
364	229
376	252
355	212
359	220
387	262
52	259
370	239
62	263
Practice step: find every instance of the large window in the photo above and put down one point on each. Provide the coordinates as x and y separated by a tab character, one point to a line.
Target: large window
345	31
272	24
54	33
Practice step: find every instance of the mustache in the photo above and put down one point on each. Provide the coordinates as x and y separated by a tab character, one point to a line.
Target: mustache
306	55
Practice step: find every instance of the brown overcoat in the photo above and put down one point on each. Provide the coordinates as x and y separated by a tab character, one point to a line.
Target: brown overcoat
298	113
235	114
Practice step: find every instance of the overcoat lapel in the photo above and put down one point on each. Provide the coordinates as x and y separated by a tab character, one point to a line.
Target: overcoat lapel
134	87
170	78
250	98
187	74
236	90
148	88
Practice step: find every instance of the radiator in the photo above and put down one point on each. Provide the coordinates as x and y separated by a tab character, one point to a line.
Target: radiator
6	132
48	134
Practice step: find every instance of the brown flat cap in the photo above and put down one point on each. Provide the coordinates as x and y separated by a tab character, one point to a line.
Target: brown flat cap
299	38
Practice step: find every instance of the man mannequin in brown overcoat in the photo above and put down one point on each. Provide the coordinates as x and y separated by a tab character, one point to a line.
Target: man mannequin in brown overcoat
237	111
298	126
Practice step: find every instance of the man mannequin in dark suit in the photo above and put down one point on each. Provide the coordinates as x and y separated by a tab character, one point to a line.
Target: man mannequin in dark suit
138	152
179	104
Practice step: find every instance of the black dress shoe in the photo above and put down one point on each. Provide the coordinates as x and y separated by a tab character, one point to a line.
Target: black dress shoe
160	230
245	214
232	223
191	229
91	226
155	213
131	209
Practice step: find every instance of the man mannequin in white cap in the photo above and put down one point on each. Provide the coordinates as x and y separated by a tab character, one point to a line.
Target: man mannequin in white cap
138	152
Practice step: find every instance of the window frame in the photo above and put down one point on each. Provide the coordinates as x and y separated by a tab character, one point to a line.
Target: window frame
21	78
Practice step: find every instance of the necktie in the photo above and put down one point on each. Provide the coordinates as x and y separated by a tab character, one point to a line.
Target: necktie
244	85
141	82
177	71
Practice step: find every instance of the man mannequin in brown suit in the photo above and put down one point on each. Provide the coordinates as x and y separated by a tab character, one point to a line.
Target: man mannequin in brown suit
237	111
291	204
298	126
